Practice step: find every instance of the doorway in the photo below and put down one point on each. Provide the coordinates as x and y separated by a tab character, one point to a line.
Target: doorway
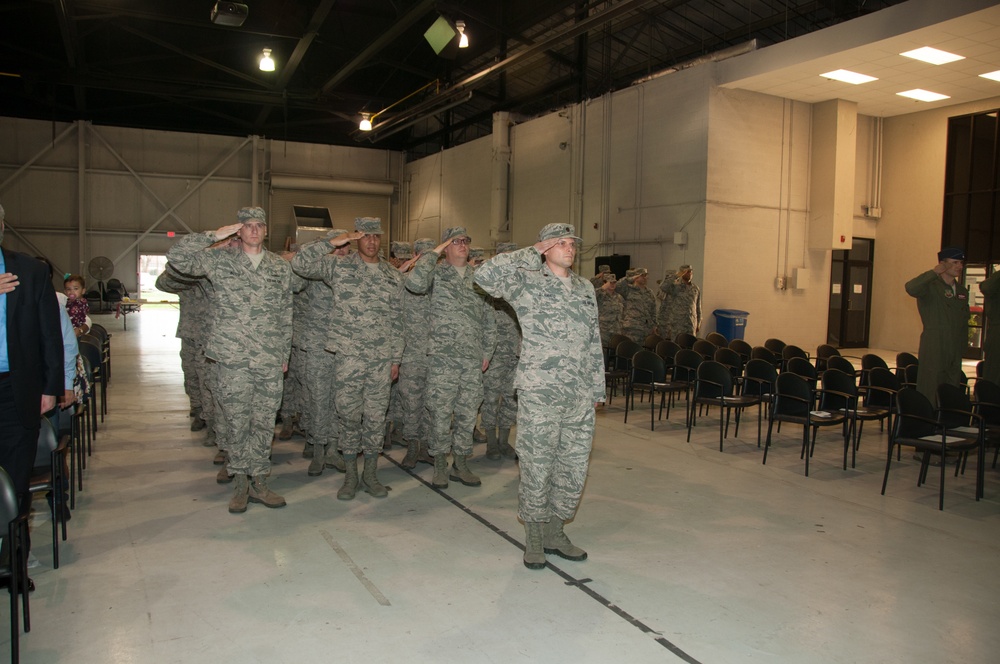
150	267
851	295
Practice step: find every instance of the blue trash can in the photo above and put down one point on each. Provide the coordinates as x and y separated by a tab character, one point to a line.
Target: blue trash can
731	323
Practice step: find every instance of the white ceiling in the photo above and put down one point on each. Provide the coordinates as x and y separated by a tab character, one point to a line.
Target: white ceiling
792	69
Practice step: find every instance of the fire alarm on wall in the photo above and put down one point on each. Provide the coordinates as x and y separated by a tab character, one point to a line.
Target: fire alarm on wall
843	239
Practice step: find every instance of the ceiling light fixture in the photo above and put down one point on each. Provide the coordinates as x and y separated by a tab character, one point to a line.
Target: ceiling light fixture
463	39
923	95
266	61
993	75
366	122
932	56
846	76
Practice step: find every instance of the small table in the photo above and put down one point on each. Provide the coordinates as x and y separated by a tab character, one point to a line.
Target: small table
125	307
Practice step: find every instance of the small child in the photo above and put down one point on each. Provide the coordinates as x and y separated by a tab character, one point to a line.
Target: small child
76	305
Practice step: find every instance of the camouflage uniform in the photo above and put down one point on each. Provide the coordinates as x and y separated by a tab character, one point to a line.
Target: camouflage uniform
293	396
559	377
394	421
412	384
461	337
319	367
639	313
194	324
598	279
680	308
250	342
366	336
499	410
610	307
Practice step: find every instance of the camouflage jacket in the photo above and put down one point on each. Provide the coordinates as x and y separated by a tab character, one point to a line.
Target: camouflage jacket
194	299
639	307
680	308
415	311
610	307
314	316
561	352
253	306
365	321
462	323
508	329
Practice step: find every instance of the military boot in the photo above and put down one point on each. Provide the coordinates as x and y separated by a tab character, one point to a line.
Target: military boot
478	436
210	436
220	458
492	444
223	477
440	480
260	493
287	428
350	486
460	472
505	449
307	450
318	461
412	452
241	488
369	481
556	542
197	424
534	556
387	441
423	456
334	459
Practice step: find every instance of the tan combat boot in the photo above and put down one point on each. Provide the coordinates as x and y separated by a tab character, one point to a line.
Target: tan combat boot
260	493
423	456
412	452
220	458
209	436
318	461
350	486
241	486
440	480
223	477
492	444
505	449
334	459
460	472
556	542
369	481
287	428
307	450
534	556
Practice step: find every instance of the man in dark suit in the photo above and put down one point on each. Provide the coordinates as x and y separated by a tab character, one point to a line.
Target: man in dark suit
31	360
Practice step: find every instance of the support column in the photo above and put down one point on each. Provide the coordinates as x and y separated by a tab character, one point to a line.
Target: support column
831	188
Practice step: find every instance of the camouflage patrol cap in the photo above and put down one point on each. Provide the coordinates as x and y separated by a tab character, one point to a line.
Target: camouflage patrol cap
245	214
629	273
551	231
335	233
454	232
609	276
640	272
603	269
424	244
476	252
506	247
401	249
683	268
368	225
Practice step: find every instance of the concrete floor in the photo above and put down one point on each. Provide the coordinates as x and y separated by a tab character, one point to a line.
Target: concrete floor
695	555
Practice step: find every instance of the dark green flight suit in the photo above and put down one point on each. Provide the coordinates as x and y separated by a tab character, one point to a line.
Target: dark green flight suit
944	312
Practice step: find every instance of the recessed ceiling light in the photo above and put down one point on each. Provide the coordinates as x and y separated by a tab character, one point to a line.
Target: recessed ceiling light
993	75
846	76
932	55
923	95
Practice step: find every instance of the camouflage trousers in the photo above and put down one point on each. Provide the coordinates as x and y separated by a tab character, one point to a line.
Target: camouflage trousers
395	412
293	397
249	398
499	397
190	352
412	389
554	438
218	422
320	402
454	388
362	402
637	334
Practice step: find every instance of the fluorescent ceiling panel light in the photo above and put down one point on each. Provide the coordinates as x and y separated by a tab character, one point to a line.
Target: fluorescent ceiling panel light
933	56
845	76
923	95
993	75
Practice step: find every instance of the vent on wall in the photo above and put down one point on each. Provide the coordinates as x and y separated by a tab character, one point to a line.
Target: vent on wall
311	216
